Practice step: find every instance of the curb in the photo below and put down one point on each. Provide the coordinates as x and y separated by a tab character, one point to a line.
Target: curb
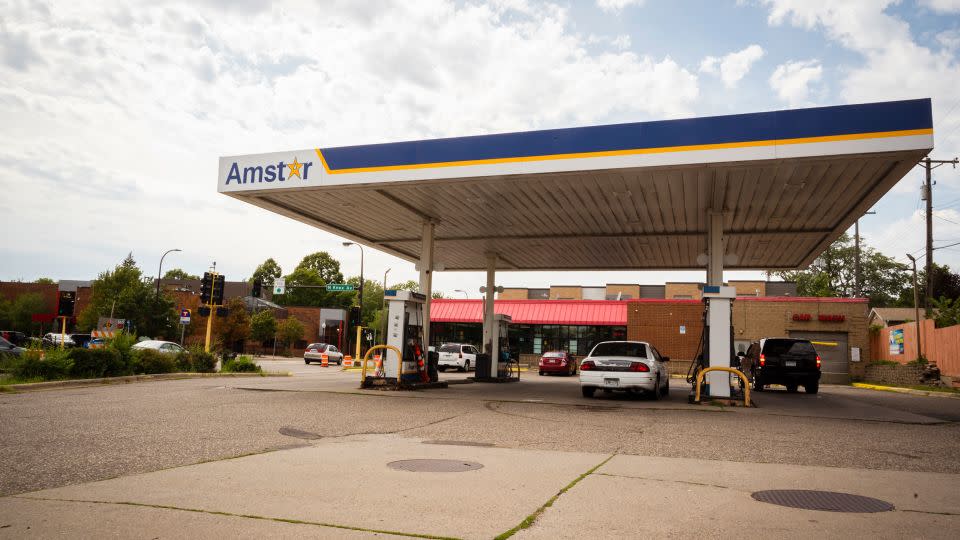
911	391
127	379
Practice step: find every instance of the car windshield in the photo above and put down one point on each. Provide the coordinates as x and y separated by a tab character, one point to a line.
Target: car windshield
450	348
778	347
620	348
553	355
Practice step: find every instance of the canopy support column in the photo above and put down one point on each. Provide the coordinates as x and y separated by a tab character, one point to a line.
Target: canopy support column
489	346
426	278
719	301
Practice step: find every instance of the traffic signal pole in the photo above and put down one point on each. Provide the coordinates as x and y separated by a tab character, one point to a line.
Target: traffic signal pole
63	333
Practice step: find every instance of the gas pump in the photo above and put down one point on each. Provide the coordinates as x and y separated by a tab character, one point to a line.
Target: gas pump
500	341
717	345
405	333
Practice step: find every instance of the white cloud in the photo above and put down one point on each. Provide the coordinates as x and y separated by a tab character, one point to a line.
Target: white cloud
617	5
734	66
792	81
942	6
113	103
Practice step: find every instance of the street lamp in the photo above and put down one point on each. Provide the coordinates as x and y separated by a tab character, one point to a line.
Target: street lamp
160	270
465	295
916	303
383	300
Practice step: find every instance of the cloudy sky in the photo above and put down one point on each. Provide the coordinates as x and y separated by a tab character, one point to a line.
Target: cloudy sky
114	114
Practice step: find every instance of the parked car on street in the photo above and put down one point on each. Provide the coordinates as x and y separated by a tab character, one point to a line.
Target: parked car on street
54	339
315	351
7	347
162	346
81	340
787	361
557	362
17	338
625	366
457	355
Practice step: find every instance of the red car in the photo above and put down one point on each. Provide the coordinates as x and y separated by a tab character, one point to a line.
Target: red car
558	362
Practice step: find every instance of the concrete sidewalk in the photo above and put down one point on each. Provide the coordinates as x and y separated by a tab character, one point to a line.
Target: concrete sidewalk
343	488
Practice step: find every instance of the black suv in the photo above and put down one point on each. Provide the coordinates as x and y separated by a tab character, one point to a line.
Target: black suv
787	361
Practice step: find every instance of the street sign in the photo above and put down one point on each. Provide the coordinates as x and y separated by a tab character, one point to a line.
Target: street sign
279	286
339	287
184	316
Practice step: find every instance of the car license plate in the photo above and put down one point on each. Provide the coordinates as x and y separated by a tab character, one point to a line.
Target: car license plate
791	363
611	382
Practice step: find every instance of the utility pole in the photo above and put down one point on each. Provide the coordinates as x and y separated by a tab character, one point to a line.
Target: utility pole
927	195
916	305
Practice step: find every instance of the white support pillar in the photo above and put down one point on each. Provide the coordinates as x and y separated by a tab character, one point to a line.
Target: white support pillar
718	309
488	346
426	278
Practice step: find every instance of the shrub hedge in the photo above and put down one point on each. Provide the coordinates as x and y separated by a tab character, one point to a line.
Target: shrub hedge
240	364
96	363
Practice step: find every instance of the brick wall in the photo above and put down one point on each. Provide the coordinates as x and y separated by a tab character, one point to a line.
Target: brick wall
659	323
689	290
749	288
900	374
565	293
629	291
513	294
10	290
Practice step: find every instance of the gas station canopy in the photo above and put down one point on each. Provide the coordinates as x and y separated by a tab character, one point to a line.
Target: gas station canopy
626	196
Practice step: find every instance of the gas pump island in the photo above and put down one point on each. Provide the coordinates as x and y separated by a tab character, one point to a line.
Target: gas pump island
759	191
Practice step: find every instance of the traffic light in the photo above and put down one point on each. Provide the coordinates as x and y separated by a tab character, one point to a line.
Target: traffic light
222	311
257	284
206	286
217	293
354	316
66	302
203	311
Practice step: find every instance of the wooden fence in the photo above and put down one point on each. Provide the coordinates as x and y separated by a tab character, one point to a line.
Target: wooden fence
939	345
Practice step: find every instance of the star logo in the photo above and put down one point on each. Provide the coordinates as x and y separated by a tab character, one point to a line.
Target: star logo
294	169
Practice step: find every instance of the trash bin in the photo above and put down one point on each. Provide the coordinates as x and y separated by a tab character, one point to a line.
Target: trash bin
483	366
433	359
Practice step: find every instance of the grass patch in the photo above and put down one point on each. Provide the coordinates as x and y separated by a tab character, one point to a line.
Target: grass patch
925	388
532	518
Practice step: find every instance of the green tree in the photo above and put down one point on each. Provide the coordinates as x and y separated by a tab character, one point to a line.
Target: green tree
17	314
45	281
831	274
372	298
948	311
129	295
235	327
324	265
289	331
267	272
409	285
263	326
177	273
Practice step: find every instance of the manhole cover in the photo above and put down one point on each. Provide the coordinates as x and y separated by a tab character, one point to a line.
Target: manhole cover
434	465
300	434
459	443
829	501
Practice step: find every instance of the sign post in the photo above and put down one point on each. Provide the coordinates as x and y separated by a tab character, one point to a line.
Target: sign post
279	286
184	321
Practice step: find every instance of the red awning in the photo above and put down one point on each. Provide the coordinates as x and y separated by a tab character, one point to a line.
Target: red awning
580	312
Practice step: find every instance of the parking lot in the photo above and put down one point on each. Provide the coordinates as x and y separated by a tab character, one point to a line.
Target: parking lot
149	449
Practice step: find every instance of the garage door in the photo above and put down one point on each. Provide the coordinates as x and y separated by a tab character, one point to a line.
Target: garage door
834	354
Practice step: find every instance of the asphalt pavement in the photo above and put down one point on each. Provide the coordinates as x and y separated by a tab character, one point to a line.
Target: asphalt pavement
130	436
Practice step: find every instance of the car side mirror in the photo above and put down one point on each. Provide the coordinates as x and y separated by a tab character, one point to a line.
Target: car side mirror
664	358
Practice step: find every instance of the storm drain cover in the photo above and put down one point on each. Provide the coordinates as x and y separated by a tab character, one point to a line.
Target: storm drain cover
300	434
828	501
434	465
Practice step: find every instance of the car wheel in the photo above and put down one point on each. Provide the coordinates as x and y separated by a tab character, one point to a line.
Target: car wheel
757	385
466	366
541	373
666	387
305	361
340	361
812	387
587	391
792	388
656	390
